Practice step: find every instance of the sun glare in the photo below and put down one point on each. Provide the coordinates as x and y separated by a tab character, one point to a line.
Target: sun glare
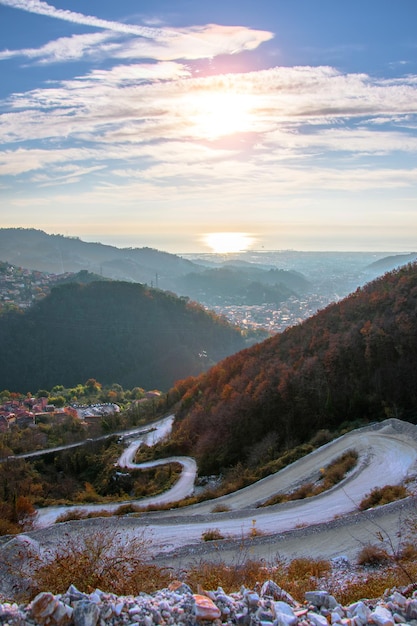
224	243
215	114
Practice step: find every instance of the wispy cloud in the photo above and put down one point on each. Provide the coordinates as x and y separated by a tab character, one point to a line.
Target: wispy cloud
143	125
160	102
127	41
43	8
66	48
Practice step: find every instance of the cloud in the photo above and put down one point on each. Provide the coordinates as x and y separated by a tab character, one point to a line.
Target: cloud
43	8
66	48
68	174
161	102
126	41
141	129
22	160
356	140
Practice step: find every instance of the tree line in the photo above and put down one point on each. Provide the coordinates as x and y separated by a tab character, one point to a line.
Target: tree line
112	331
353	362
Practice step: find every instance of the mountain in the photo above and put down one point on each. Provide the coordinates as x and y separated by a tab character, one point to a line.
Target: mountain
242	284
113	331
389	263
35	249
353	361
228	283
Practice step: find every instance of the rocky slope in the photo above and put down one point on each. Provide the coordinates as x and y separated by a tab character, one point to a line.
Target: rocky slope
178	605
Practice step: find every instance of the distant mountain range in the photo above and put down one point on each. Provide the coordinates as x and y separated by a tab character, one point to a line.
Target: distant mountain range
115	332
237	283
354	361
389	263
35	249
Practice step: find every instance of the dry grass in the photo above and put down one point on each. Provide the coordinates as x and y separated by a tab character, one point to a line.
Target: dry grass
110	562
255	532
383	495
220	508
212	534
77	514
373	585
373	556
329	476
102	560
230	577
107	561
296	578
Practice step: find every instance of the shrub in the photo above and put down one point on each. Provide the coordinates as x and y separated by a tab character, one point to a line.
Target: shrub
330	476
212	534
102	560
300	569
337	470
296	577
8	528
243	571
77	514
126	509
372	555
383	495
255	532
372	586
321	437
220	508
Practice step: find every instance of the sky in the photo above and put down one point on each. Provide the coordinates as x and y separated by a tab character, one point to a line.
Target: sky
191	126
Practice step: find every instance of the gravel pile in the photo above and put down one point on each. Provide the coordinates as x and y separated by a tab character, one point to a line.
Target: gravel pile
177	605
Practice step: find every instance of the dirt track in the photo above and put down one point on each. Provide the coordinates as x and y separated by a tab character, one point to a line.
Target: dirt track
324	526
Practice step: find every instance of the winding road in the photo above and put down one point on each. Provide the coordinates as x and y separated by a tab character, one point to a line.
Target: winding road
150	436
387	454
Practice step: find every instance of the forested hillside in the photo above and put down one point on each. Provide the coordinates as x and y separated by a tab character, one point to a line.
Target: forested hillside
237	285
355	360
229	284
35	249
115	332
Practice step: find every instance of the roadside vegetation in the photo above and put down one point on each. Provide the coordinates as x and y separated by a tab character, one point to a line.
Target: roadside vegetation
354	359
56	429
383	495
329	476
88	473
84	474
81	475
240	476
104	560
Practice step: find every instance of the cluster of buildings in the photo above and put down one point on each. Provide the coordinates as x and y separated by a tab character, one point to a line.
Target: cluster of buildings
23	412
21	287
272	318
26	412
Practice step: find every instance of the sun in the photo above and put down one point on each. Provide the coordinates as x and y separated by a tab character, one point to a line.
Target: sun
227	242
214	114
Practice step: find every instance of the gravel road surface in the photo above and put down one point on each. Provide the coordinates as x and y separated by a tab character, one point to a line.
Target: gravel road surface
326	525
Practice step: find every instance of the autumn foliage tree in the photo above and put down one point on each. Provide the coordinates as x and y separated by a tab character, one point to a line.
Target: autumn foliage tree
355	361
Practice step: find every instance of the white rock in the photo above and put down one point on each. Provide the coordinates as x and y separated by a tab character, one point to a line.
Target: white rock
381	616
399	599
283	619
317	620
360	611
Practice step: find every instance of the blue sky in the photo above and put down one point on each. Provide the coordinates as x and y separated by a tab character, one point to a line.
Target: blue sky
158	123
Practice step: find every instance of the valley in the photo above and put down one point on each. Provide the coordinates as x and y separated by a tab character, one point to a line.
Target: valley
262	417
324	526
